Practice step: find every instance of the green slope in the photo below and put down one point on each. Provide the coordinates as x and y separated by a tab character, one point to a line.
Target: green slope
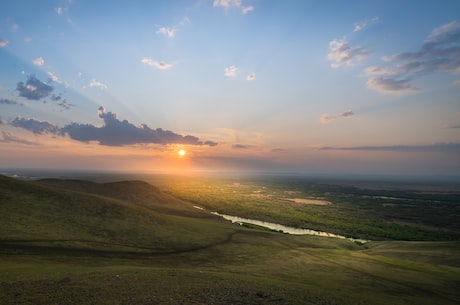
79	242
42	214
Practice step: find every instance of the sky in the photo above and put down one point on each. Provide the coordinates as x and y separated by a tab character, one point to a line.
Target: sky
359	87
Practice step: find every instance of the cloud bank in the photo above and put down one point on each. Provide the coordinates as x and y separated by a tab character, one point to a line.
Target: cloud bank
438	147
114	132
440	52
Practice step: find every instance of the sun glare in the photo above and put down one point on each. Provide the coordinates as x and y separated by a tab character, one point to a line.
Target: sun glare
182	153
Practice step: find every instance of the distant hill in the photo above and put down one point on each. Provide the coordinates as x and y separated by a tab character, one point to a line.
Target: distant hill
129	216
136	192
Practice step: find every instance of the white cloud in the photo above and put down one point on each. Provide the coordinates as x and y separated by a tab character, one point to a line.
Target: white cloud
168	32
95	83
161	65
56	79
53	77
233	4
325	118
230	71
227	3
247	9
362	25
251	76
341	53
39	61
58	10
3	43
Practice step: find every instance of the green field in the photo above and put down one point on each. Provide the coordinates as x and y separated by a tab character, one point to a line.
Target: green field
129	242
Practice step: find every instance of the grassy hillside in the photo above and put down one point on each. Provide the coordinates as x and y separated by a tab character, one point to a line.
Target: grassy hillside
48	215
79	242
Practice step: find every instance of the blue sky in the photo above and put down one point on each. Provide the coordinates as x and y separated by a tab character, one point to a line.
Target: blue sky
307	86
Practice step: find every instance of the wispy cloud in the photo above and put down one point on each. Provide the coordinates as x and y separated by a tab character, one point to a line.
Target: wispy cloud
9	138
438	147
440	52
97	84
39	61
391	85
341	53
364	24
240	146
34	89
114	132
168	32
233	4
247	9
230	71
53	77
251	76
3	43
325	118
58	10
456	82
161	65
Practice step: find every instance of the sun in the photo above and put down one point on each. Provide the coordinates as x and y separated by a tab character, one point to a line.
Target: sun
182	153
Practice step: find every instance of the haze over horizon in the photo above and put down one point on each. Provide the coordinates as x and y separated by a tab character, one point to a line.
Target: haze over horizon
369	87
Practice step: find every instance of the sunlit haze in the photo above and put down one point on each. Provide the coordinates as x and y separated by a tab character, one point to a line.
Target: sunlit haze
238	85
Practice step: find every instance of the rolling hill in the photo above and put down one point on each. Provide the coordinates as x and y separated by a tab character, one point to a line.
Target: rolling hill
132	216
81	242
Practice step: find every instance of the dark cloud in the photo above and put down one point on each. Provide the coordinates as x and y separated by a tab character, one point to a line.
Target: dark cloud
55	97
327	117
439	147
240	146
34	89
64	104
35	126
6	101
210	143
120	133
439	53
113	133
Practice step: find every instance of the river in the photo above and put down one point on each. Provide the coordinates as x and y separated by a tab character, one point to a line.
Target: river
283	228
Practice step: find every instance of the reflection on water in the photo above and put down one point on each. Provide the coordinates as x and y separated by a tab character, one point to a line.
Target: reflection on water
282	228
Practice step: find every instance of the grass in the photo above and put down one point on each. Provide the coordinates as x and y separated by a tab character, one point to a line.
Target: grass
77	242
361	211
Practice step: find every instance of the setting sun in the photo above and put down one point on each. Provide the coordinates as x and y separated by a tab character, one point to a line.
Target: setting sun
182	153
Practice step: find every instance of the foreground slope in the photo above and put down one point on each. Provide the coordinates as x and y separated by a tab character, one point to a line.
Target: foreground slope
77	242
37	213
